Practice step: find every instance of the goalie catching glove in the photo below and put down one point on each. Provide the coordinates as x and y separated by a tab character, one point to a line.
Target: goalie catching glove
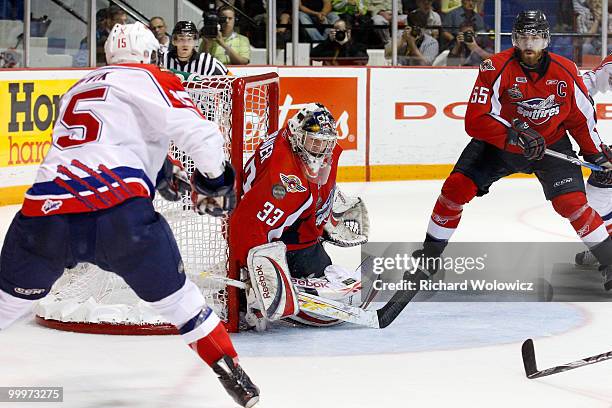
349	224
172	180
214	196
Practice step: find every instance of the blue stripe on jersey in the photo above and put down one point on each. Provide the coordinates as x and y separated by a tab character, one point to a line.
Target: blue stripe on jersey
196	321
51	188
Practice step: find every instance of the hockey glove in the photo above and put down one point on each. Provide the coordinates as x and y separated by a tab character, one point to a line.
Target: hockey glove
349	224
215	197
604	159
532	142
172	180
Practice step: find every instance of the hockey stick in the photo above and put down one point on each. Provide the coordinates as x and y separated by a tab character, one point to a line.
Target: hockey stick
531	369
377	319
574	160
556	154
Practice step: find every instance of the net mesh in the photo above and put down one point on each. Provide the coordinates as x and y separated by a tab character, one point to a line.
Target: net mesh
87	294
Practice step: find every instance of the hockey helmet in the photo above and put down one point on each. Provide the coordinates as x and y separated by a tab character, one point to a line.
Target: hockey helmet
313	137
186	28
130	43
531	31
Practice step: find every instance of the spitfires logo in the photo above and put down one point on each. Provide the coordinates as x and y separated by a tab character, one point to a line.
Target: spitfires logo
292	183
538	110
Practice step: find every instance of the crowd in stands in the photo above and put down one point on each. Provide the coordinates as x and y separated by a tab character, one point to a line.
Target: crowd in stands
340	32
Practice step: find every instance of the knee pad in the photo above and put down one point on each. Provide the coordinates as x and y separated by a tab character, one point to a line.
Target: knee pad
459	188
570	205
181	306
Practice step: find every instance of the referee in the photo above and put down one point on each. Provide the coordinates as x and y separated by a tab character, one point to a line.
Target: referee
182	55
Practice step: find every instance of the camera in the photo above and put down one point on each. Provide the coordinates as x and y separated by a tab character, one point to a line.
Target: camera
212	22
340	35
415	31
468	36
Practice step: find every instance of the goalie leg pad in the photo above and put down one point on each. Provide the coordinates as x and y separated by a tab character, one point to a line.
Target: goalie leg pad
271	280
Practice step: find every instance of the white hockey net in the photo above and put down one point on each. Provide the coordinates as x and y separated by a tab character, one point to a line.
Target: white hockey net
88	299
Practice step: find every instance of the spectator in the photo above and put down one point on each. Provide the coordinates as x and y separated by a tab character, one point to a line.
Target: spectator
457	17
339	48
316	12
466	50
283	16
158	26
350	10
381	11
81	59
229	47
183	56
433	18
588	21
415	46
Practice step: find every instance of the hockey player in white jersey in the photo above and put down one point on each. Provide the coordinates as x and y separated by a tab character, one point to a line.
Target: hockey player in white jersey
92	198
599	184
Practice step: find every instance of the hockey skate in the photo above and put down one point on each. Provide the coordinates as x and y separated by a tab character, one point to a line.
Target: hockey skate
586	258
236	382
606	272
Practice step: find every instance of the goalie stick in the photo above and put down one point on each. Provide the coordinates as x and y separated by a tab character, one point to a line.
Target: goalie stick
531	369
377	319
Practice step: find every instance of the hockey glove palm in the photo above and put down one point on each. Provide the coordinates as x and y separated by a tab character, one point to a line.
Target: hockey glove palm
532	142
172	180
215	197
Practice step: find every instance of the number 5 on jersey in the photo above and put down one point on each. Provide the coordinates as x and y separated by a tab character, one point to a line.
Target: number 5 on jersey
269	214
480	94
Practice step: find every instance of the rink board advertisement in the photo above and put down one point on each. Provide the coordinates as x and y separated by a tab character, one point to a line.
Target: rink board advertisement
393	123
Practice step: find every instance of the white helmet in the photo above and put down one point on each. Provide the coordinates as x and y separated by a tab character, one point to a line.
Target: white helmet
130	43
313	137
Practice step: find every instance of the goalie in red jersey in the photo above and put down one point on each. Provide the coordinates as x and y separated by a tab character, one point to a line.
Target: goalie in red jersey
525	100
290	202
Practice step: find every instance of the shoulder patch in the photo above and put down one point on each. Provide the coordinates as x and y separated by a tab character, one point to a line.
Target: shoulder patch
292	183
487	65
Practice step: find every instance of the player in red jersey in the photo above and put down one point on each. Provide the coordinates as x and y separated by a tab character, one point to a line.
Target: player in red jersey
290	193
526	100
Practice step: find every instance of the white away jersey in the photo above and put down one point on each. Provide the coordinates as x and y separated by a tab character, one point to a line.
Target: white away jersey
112	136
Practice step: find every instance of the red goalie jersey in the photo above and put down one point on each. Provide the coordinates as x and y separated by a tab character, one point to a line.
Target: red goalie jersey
279	202
552	101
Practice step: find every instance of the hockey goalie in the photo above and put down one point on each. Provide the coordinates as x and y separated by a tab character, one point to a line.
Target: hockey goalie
290	205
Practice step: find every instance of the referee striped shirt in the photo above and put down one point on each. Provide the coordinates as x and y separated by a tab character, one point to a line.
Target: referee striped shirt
200	63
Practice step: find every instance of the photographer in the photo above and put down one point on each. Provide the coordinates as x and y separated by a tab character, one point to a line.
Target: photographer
227	46
415	46
466	51
339	48
183	56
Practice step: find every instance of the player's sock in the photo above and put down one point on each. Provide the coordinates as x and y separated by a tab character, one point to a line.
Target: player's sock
457	190
586	222
207	336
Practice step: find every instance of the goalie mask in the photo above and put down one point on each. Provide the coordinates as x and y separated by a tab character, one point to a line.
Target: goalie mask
130	43
531	31
313	138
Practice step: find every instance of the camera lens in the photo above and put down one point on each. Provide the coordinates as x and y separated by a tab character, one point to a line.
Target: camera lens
340	35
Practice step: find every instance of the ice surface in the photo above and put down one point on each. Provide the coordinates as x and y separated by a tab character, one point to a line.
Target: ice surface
434	355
